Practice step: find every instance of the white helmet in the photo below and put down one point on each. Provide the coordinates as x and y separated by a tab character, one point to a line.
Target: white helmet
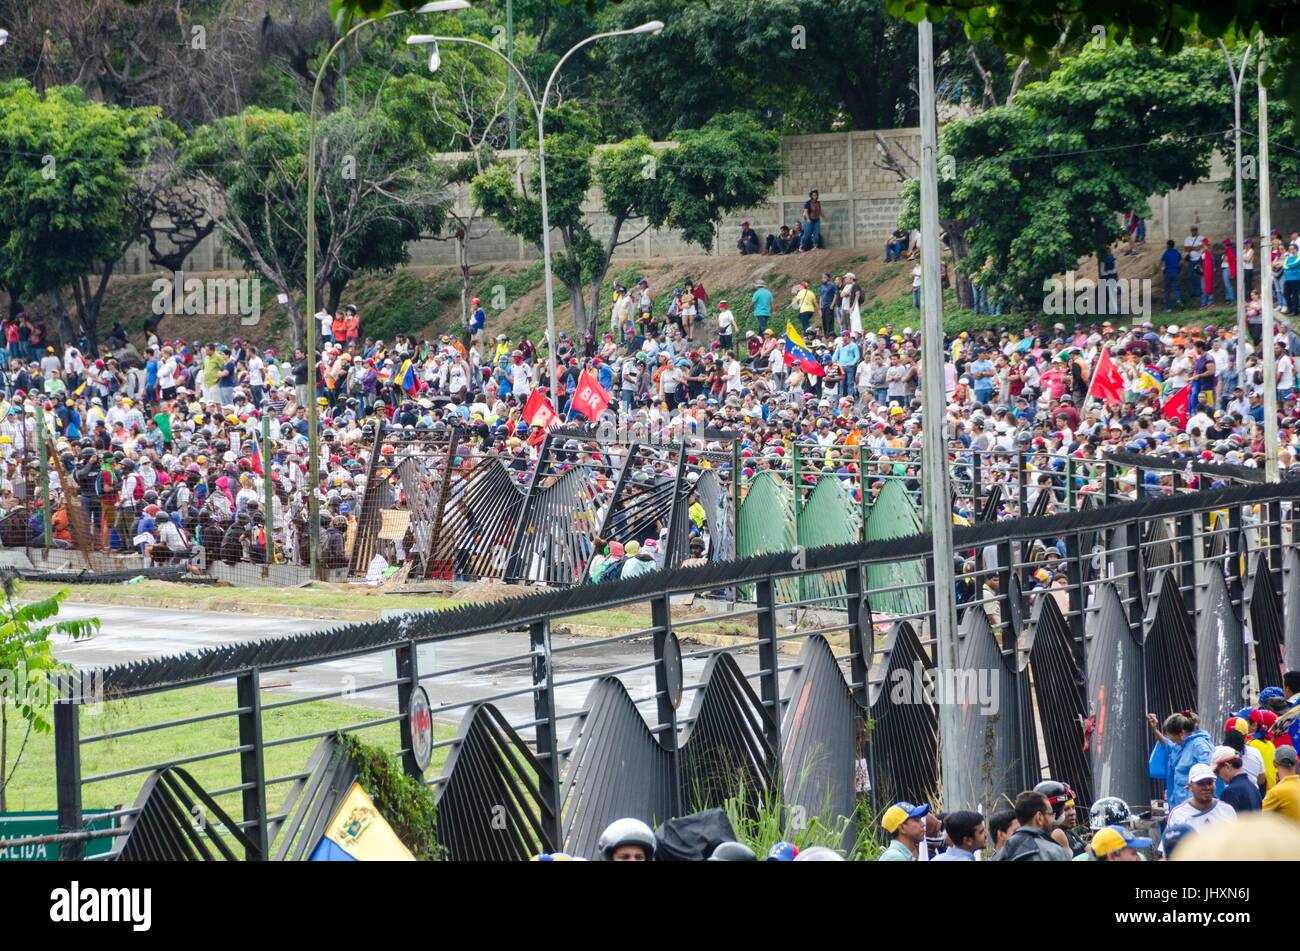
819	853
623	832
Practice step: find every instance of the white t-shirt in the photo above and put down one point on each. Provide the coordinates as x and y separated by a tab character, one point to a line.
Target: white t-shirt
1285	373
167	374
326	322
1188	814
255	377
1192	244
726	322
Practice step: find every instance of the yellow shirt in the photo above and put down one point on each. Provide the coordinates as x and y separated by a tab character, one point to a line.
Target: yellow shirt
1284	798
1266	751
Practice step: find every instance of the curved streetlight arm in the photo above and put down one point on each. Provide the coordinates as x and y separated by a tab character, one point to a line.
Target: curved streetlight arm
496	52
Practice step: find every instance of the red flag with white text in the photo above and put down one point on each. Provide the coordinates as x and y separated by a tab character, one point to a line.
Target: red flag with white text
590	398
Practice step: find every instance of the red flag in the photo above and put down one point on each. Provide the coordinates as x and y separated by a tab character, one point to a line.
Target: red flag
590	398
1106	381
538	412
1178	406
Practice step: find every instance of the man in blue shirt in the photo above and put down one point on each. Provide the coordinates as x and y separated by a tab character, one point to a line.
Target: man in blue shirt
477	321
1172	263
847	356
1239	791
762	307
829	293
966	831
982	375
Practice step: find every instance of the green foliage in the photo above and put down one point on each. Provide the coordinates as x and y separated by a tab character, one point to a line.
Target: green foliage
26	658
1033	27
407	804
729	163
761	821
65	181
1036	185
377	189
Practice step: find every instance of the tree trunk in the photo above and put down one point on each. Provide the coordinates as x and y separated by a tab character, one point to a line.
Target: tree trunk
337	286
67	332
960	247
579	310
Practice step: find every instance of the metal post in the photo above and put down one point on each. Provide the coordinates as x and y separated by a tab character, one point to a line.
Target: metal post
408	678
1074	572
769	678
510	76
1022	490
267	486
1265	285
1237	75
44	455
861	633
938	512
666	715
674	506
548	749
1186	531
67	775
1107	481
863	488
252	763
976	482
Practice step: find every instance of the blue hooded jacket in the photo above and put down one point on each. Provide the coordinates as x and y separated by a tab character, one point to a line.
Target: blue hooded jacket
1196	748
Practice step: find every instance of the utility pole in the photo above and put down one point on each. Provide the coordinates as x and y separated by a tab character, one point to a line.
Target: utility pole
1237	75
938	507
1265	283
510	76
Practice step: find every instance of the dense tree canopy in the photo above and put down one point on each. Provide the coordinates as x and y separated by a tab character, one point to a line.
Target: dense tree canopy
1036	185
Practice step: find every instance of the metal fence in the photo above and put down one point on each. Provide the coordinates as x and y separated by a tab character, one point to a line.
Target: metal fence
549	725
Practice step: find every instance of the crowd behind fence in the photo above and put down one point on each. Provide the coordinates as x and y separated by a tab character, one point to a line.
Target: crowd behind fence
526	711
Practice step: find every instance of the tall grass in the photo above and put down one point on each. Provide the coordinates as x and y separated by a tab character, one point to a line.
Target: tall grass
761	821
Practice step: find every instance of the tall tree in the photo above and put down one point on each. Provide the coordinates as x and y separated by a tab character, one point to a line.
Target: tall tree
67	181
1040	183
728	164
378	189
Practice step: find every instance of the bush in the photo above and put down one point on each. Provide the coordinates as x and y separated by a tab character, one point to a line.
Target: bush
406	803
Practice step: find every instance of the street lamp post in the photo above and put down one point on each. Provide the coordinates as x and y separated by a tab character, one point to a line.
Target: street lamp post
539	113
1265	284
957	789
1237	75
313	411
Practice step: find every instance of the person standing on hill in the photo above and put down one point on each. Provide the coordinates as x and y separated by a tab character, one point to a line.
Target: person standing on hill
812	230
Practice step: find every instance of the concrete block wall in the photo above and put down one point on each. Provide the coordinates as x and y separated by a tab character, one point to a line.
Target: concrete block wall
860	193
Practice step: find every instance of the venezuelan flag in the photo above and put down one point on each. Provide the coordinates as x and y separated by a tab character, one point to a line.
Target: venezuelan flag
798	354
409	383
358	833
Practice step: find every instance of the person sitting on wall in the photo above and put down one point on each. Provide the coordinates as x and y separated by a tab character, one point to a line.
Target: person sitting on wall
748	243
780	243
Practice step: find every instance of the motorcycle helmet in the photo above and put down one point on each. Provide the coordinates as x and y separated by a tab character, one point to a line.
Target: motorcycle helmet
1058	794
625	832
733	852
1110	811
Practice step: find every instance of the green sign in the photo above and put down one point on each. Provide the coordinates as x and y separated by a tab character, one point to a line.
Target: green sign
22	825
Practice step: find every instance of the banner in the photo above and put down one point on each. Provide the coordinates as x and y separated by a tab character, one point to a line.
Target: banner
590	398
1107	384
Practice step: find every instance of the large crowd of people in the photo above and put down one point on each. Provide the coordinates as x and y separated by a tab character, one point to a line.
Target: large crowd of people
163	438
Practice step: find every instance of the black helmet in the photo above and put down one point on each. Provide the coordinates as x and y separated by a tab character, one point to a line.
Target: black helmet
1110	811
623	832
733	852
1058	794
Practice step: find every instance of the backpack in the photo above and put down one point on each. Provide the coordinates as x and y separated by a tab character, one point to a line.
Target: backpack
105	474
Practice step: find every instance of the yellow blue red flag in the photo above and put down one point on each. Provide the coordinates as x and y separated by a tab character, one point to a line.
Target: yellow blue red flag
798	354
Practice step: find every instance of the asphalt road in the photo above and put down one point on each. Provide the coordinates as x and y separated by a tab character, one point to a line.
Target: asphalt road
134	633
